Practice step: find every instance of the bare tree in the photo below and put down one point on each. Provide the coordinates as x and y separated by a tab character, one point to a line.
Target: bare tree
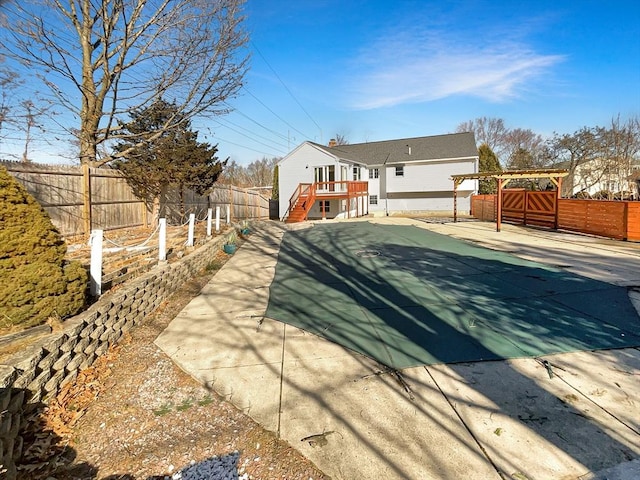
9	83
341	139
233	174
571	150
488	131
620	143
599	157
518	140
101	59
258	173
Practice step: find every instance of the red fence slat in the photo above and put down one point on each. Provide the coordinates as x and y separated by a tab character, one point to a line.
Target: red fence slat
607	218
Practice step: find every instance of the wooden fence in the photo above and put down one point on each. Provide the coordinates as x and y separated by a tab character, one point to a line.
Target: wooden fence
606	218
61	191
483	207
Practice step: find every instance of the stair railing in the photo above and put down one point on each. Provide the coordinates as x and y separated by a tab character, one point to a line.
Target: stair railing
302	187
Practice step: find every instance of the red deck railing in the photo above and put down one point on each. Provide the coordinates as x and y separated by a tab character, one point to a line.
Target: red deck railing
307	193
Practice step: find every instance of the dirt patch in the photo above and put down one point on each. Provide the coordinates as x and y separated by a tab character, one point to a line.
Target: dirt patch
135	415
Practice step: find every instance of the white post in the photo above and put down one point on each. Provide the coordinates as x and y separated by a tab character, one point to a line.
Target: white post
209	219
192	225
95	270
217	219
228	214
162	240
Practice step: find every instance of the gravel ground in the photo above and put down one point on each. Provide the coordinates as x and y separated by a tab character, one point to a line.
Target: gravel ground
135	415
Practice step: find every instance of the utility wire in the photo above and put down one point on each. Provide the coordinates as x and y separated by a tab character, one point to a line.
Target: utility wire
256	122
274	113
223	123
243	146
287	89
252	139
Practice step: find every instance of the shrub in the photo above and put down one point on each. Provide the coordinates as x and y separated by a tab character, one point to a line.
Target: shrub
35	281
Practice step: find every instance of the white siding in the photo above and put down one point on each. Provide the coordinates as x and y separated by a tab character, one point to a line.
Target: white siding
434	180
431	205
427	177
428	185
296	168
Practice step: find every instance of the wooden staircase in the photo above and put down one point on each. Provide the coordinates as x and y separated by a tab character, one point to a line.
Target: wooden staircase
300	203
306	194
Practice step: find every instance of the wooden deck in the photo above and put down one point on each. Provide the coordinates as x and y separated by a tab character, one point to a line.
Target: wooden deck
307	194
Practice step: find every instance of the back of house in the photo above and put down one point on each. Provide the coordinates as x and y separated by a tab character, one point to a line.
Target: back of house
404	176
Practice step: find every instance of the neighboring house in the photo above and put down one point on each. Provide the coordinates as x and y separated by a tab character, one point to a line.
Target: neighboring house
409	175
600	177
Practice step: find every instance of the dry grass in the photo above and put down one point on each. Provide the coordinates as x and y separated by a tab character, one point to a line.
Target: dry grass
135	415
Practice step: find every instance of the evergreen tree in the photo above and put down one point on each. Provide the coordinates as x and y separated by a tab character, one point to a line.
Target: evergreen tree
275	191
159	158
488	162
35	280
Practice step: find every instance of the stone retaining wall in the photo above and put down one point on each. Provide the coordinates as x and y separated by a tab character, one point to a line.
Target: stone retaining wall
37	374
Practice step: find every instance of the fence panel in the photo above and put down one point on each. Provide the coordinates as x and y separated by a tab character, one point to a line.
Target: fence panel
113	203
633	221
597	217
483	207
540	208
59	189
607	218
513	205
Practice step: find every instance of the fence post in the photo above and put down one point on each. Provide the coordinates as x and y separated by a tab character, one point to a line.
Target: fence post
145	217
209	219
231	203
95	269
162	240
217	218
192	222
86	198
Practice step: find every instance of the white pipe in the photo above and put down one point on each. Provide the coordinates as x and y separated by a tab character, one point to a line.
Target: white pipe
95	270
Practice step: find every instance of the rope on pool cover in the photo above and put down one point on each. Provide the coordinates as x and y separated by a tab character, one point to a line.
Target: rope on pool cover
367	253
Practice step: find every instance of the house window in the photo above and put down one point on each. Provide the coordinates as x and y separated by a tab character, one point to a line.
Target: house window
399	171
356	173
373	199
374	173
325	206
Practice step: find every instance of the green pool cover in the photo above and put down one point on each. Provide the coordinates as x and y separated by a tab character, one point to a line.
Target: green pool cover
407	297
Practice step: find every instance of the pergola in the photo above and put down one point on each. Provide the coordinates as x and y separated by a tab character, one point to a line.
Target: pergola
503	178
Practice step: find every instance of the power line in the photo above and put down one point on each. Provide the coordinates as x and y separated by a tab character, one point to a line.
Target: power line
256	122
287	89
274	113
245	135
222	123
243	146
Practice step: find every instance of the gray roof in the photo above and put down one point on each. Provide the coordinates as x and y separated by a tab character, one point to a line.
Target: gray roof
437	147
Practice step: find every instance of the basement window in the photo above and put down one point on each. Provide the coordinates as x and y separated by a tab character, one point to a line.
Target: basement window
373	199
400	171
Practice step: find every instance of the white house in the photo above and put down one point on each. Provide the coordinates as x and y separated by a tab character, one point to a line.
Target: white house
409	175
604	177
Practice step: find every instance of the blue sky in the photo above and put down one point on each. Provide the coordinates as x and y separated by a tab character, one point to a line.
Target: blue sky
377	70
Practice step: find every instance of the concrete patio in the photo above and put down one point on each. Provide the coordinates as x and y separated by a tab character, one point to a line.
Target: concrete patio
565	416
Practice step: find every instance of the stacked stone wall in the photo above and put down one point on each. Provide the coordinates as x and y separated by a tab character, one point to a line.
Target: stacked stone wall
34	376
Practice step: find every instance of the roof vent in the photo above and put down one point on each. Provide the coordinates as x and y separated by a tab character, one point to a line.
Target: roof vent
409	150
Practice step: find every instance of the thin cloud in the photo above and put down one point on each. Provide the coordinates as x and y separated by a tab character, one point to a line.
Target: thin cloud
428	67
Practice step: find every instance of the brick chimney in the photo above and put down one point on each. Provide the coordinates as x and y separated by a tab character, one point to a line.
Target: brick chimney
332	142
